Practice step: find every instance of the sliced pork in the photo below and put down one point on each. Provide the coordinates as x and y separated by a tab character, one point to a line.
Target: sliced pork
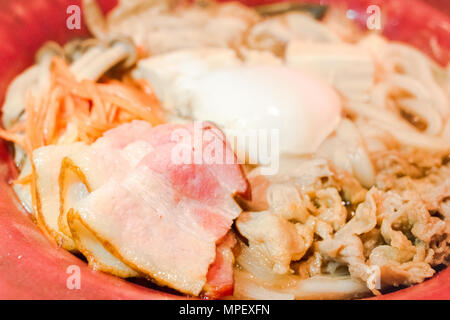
47	163
220	274
160	200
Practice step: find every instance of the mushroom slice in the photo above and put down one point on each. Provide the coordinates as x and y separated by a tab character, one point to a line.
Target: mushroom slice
95	20
14	105
95	62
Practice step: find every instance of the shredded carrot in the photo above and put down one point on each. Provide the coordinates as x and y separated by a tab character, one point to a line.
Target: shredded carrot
91	107
85	107
24	180
16	138
50	120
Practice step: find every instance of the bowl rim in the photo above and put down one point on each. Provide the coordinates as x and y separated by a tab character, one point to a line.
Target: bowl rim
21	237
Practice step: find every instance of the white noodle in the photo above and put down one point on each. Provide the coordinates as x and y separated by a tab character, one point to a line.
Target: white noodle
421	105
399	129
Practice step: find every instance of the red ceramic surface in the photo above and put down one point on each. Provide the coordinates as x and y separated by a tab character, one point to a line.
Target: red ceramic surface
33	267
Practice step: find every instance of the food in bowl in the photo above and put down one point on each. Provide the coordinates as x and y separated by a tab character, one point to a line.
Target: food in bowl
223	152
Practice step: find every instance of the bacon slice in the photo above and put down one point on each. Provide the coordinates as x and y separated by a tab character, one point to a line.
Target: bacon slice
47	162
220	281
160	216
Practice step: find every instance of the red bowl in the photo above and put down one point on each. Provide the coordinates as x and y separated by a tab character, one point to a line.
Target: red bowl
33	267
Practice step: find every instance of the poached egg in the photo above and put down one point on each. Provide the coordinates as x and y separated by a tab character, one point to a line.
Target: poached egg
270	100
